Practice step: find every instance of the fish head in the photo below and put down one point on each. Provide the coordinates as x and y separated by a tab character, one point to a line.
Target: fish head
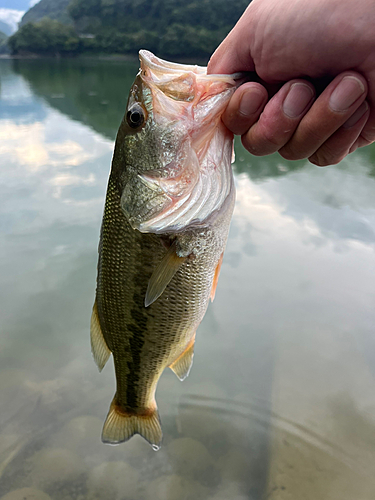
173	153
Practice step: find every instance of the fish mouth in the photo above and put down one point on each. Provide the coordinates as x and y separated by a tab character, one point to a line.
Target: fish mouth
154	63
158	65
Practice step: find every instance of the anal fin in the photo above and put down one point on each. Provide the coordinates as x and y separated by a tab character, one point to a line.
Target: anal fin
182	365
99	348
121	425
216	277
163	274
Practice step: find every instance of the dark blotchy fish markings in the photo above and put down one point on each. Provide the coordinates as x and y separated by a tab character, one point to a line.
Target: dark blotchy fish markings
168	207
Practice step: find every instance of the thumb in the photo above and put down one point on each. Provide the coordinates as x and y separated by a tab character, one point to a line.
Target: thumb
234	53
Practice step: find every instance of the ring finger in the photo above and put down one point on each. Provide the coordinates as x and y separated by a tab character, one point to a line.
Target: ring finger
280	118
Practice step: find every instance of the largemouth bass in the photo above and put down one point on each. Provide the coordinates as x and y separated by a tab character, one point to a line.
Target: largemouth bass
168	208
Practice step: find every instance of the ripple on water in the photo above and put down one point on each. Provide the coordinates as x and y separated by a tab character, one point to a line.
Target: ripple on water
213	449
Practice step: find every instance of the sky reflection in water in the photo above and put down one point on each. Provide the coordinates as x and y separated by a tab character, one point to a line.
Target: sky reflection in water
280	400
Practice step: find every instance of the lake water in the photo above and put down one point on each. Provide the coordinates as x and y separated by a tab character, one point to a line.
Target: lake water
280	402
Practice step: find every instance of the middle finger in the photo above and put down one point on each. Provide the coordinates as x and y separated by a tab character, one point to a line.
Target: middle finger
280	118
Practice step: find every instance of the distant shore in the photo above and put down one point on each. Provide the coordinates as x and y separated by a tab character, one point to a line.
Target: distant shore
107	57
120	57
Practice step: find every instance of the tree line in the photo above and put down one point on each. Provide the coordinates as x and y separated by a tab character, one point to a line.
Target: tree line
170	28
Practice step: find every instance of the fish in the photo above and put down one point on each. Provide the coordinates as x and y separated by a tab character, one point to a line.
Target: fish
168	208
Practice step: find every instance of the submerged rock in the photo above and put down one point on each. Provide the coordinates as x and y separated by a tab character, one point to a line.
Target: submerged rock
114	481
81	435
55	465
135	452
191	458
230	492
235	466
207	427
26	494
175	487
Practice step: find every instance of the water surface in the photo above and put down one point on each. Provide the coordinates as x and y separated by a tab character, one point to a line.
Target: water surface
280	403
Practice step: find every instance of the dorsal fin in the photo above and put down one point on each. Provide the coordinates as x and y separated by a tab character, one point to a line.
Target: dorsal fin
99	348
163	274
216	277
182	365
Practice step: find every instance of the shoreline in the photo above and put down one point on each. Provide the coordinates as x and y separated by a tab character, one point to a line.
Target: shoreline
104	57
121	57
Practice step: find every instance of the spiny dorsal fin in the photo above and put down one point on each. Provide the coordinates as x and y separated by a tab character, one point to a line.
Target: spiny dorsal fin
121	426
181	367
99	347
163	274
216	277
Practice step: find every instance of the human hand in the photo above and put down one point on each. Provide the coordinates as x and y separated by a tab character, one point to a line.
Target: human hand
327	41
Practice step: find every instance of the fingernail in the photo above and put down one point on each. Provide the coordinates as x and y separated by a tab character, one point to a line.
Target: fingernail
251	101
356	116
298	98
346	93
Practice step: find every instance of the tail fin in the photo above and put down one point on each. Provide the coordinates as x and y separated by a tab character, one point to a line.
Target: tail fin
121	426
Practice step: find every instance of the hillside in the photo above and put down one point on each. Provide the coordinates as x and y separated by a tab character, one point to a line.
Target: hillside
54	9
170	28
3	43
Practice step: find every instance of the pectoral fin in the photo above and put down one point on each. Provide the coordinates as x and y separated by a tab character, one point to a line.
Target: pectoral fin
181	367
99	347
163	274
216	277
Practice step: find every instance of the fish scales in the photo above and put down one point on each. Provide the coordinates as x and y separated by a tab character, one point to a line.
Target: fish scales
139	253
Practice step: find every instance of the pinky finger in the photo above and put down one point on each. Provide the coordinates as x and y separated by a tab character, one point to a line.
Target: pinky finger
341	143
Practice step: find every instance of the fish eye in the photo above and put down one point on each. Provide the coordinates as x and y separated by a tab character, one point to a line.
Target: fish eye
135	116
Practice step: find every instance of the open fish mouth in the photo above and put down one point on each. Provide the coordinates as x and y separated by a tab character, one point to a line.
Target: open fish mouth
148	59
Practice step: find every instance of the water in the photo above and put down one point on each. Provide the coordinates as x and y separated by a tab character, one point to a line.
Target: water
280	403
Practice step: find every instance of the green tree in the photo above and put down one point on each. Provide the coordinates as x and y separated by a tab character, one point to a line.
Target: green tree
47	37
4	49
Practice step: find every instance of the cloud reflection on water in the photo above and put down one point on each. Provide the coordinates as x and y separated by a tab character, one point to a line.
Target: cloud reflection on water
291	320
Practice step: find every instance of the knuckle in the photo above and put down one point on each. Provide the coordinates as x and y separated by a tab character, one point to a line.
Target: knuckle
305	141
324	156
252	147
312	133
261	141
291	153
270	137
368	136
235	124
